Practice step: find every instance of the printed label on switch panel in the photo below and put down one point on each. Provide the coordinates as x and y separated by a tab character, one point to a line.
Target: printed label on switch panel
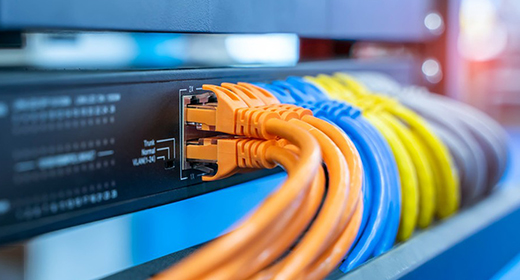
156	150
147	154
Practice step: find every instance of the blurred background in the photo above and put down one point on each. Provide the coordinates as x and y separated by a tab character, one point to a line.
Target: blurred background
474	56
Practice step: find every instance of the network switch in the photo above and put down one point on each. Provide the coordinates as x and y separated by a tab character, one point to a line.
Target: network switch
79	147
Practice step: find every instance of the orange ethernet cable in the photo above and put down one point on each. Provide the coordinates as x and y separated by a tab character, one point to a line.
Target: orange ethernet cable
325	219
351	155
278	239
259	222
257	130
303	253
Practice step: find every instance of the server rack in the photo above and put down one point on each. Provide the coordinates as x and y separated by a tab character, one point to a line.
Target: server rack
103	137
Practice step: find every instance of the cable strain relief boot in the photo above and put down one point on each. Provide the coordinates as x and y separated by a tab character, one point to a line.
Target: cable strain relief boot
284	113
232	155
251	153
227	105
261	93
251	99
296	109
251	122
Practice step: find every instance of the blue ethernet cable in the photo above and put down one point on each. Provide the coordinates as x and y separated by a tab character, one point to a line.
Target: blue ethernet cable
307	87
278	92
299	96
367	195
391	172
394	183
302	97
370	241
313	92
372	232
288	94
377	225
353	124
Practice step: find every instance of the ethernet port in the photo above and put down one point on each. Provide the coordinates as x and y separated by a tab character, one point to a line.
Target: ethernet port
191	132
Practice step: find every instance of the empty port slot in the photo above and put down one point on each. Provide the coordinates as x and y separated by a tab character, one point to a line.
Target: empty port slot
169	164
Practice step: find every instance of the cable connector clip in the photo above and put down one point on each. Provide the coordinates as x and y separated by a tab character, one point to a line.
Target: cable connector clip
230	114
230	154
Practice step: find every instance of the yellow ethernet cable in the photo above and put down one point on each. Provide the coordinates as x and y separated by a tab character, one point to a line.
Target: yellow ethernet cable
422	168
407	172
405	164
375	105
444	172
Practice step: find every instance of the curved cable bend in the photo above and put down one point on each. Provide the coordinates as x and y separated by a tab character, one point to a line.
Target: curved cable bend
244	234
407	173
490	136
243	91
380	106
473	172
334	254
405	165
389	235
337	134
334	212
391	172
394	183
448	189
330	259
308	243
380	218
349	152
426	194
279	238
380	209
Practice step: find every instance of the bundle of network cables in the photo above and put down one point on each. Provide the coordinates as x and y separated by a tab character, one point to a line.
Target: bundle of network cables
367	163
